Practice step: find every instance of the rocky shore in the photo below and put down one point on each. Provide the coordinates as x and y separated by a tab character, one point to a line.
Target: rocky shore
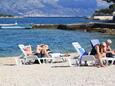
106	28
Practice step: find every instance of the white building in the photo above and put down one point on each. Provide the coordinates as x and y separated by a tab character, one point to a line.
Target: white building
103	17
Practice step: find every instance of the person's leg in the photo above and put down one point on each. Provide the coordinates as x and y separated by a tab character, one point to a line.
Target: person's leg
38	56
99	58
45	52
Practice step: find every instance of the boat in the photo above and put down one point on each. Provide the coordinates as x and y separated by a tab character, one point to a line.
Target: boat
15	26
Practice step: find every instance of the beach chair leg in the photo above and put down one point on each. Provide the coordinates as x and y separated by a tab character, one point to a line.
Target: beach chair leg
18	61
63	59
52	62
70	64
107	62
93	63
112	62
44	61
39	61
77	62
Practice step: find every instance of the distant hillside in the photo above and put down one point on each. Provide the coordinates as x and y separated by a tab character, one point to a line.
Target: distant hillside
48	8
5	15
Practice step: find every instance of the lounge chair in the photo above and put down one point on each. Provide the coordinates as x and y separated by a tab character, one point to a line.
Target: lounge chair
107	59
28	55
94	42
63	57
83	55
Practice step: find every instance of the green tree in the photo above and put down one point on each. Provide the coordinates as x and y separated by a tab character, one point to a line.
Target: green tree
109	1
106	11
103	12
4	15
112	7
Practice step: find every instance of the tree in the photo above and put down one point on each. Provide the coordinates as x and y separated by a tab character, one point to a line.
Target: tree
109	1
106	11
103	12
112	7
5	15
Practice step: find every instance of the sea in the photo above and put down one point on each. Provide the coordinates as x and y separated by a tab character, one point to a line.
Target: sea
59	41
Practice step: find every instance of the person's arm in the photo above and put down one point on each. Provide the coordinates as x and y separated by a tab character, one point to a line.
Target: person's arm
38	49
97	49
109	48
46	53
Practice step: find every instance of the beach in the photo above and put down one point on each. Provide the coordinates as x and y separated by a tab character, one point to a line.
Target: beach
57	74
57	43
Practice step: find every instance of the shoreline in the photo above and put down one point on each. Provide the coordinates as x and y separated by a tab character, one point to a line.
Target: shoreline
106	28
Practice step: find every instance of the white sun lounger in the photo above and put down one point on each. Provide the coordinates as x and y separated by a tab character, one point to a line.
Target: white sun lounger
33	57
107	59
82	56
26	58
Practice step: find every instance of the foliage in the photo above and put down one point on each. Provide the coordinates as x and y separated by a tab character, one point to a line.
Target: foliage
112	7
5	15
106	11
103	12
109	1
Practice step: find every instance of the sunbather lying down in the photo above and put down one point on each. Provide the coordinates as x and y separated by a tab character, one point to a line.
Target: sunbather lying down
42	51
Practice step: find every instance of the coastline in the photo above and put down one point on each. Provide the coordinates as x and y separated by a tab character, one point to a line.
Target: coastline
106	28
11	17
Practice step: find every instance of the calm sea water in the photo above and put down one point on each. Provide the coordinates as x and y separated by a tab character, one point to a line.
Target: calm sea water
42	20
58	40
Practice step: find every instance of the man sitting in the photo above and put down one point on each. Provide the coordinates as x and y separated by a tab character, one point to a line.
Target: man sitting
98	51
42	51
108	50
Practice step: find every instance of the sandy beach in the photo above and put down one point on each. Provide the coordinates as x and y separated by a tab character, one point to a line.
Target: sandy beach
58	74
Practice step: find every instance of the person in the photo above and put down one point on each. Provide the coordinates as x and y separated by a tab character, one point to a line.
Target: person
42	51
98	51
28	50
108	49
45	50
